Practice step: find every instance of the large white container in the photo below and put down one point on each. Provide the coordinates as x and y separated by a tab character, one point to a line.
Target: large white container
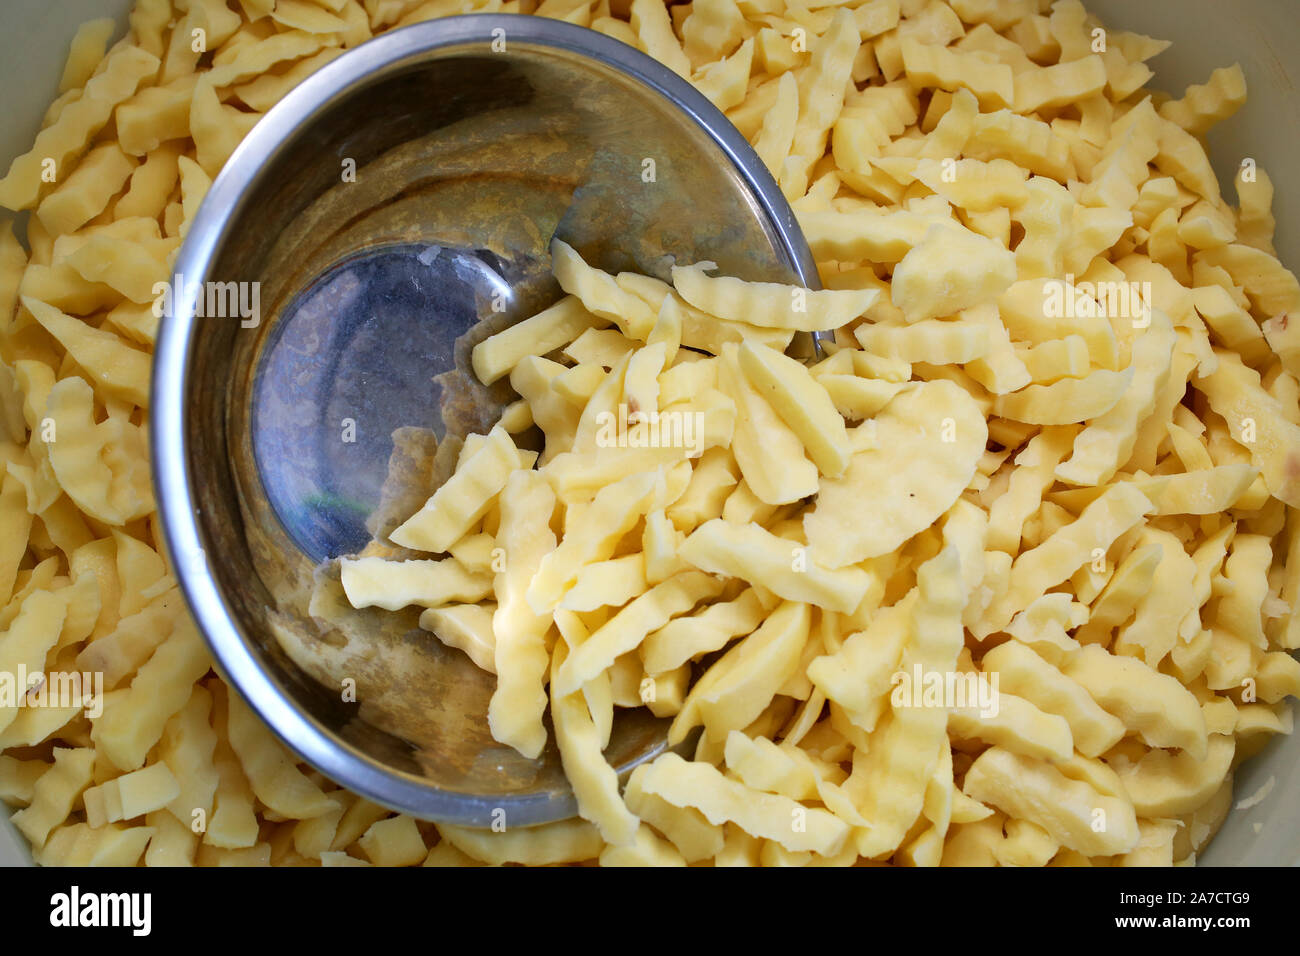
1262	35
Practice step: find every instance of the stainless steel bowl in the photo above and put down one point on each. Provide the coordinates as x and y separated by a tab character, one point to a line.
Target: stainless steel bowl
473	140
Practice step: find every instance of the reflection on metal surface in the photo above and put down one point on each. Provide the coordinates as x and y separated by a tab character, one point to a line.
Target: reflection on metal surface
352	360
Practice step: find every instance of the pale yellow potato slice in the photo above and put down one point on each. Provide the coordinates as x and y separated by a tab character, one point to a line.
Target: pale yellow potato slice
802	403
785	567
769	453
770	304
928	441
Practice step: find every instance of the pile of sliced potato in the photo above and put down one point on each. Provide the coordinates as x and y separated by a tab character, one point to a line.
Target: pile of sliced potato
1007	577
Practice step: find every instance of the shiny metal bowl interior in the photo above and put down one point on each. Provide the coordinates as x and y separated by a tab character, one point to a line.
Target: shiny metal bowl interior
473	140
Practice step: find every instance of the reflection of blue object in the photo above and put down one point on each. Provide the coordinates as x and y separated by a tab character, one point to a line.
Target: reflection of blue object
350	360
